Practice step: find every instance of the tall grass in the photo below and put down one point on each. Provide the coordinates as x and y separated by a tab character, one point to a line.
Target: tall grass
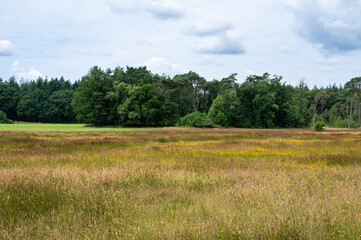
180	184
60	127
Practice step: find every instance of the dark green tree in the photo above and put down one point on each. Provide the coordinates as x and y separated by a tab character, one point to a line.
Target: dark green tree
216	112
354	87
225	110
27	110
4	119
300	105
265	102
9	97
140	105
321	97
90	103
59	107
181	83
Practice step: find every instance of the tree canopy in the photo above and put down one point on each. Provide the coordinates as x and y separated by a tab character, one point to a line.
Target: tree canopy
136	97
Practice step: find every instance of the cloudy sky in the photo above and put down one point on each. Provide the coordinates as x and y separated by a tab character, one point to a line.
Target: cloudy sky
315	40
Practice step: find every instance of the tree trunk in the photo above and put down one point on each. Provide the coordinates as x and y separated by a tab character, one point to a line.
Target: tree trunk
348	119
314	114
359	109
321	111
180	100
195	100
351	111
204	101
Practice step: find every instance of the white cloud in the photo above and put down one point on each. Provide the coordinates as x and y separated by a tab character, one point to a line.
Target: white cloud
334	25
16	67
52	36
209	29
161	66
165	9
123	6
328	61
162	9
32	74
211	60
6	48
286	49
217	37
228	43
326	69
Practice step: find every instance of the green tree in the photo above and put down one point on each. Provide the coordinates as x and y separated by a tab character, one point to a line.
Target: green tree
322	97
90	103
197	119
59	107
227	83
9	97
26	109
181	83
196	84
300	105
225	110
216	112
265	102
166	95
211	91
4	119
354	87
140	105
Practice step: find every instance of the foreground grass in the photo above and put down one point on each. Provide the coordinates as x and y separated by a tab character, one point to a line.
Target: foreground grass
180	184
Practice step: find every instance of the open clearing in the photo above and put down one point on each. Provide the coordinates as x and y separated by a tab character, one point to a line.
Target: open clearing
177	183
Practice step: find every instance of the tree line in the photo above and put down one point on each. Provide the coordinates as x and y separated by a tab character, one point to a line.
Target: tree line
43	100
136	97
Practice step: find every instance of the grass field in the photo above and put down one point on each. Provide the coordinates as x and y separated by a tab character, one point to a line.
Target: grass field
60	127
177	183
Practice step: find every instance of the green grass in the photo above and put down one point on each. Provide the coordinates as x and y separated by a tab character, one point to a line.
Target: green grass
179	183
60	127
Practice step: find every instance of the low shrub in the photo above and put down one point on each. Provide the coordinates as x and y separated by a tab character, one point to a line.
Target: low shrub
197	119
221	119
4	118
319	126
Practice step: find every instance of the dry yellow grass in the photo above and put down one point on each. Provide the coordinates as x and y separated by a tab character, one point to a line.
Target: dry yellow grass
180	183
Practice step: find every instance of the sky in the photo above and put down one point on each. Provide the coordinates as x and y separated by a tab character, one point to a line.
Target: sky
318	41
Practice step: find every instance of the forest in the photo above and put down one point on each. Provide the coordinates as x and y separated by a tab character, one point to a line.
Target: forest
135	97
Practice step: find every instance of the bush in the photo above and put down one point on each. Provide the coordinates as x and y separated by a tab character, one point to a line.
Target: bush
221	119
341	123
354	125
4	118
197	119
319	126
344	123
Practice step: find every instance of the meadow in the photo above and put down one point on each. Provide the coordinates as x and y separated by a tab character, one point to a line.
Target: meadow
179	183
60	127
